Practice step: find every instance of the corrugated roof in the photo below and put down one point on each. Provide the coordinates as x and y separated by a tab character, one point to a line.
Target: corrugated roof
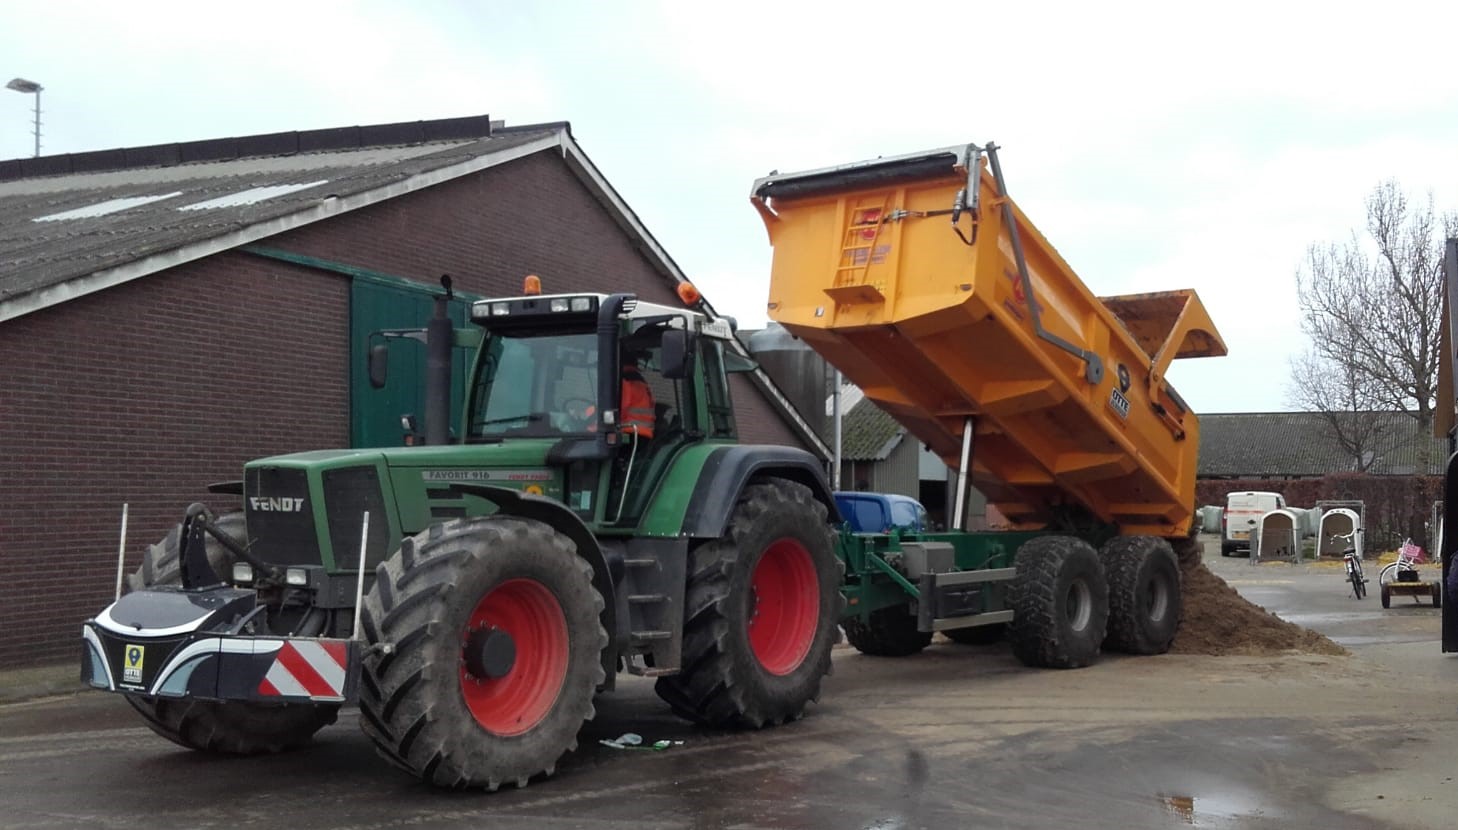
52	228
1271	444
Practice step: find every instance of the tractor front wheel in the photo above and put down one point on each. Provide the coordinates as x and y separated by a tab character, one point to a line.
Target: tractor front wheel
760	613
488	651
233	728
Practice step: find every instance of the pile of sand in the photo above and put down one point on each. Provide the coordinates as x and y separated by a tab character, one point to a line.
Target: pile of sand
1218	621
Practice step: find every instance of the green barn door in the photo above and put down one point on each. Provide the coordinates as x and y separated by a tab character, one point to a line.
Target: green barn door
378	302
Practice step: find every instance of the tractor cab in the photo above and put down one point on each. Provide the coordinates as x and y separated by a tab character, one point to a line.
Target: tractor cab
616	386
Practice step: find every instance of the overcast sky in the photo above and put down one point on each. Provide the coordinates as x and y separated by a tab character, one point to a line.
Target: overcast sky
1155	146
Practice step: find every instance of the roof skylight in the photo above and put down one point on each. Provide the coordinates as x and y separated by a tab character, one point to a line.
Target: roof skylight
251	196
105	208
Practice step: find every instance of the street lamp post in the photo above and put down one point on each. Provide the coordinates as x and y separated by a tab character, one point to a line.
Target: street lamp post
30	87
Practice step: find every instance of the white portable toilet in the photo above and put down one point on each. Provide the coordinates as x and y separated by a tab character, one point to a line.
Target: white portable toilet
1339	522
1277	535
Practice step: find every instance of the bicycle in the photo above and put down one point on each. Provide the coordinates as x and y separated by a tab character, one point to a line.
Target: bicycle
1353	564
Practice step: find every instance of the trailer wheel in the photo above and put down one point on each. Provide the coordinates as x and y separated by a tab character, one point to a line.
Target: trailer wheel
890	632
490	653
979	635
1060	603
1144	594
1437	591
1386	593
234	728
760	613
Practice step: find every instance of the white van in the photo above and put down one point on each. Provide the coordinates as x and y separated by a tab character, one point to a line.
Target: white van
1243	511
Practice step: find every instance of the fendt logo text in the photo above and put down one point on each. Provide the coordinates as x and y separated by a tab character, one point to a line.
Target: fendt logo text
276	505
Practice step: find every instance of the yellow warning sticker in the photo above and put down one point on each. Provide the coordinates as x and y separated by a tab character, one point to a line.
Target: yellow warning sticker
132	663
534	489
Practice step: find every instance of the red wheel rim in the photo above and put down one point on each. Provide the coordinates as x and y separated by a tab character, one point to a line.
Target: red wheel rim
517	701
785	606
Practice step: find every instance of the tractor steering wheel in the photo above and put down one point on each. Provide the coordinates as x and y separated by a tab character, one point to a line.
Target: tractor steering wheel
581	412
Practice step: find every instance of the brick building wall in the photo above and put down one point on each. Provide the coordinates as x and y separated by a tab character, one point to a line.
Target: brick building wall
146	392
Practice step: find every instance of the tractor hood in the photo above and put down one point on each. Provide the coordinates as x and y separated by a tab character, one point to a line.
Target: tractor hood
307	508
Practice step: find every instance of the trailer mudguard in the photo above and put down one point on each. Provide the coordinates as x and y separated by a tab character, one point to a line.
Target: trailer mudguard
729	469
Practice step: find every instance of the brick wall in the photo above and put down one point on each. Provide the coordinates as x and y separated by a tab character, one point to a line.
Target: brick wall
145	393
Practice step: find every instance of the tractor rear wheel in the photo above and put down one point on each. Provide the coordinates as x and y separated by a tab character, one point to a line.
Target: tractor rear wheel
760	613
488	652
236	727
1144	594
890	632
1060	603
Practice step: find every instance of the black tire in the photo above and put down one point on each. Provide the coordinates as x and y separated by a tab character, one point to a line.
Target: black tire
419	701
162	563
1144	594
1060	603
1359	585
890	632
1386	594
731	677
1437	591
236	727
981	635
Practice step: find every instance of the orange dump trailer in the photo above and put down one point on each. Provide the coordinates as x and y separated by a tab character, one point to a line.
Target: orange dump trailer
922	282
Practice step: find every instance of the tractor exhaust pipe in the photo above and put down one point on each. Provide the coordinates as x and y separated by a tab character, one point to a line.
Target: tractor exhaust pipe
439	333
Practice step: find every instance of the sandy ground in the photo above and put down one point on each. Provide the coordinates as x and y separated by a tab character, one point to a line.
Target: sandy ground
959	736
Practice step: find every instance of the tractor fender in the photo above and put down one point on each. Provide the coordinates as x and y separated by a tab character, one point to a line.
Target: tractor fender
556	515
728	470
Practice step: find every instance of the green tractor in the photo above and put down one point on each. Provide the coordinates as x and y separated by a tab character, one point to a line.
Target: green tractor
474	592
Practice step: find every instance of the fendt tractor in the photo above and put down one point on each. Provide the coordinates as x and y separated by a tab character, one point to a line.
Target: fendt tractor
473	592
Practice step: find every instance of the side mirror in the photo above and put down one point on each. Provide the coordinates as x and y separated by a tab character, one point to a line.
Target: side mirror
676	354
379	365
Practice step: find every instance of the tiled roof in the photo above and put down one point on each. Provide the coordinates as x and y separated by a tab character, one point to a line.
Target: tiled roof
1270	444
868	434
68	216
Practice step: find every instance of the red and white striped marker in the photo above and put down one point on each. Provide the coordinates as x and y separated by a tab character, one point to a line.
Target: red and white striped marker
307	668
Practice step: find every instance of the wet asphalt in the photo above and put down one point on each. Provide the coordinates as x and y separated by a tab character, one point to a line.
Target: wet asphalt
956	737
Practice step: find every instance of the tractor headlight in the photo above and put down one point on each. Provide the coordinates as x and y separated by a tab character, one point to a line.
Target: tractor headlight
558	304
296	576
242	573
500	309
581	303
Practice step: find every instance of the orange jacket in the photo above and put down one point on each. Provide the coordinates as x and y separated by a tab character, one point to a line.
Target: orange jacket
637	405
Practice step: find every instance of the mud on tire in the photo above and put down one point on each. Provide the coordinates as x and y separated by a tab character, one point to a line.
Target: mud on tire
420	702
744	671
235	727
1144	594
890	632
1060	603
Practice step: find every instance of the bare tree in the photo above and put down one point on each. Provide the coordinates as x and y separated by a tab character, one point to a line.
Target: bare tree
1371	308
1347	409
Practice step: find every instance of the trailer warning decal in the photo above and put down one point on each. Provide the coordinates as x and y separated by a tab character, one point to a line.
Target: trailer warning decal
132	665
